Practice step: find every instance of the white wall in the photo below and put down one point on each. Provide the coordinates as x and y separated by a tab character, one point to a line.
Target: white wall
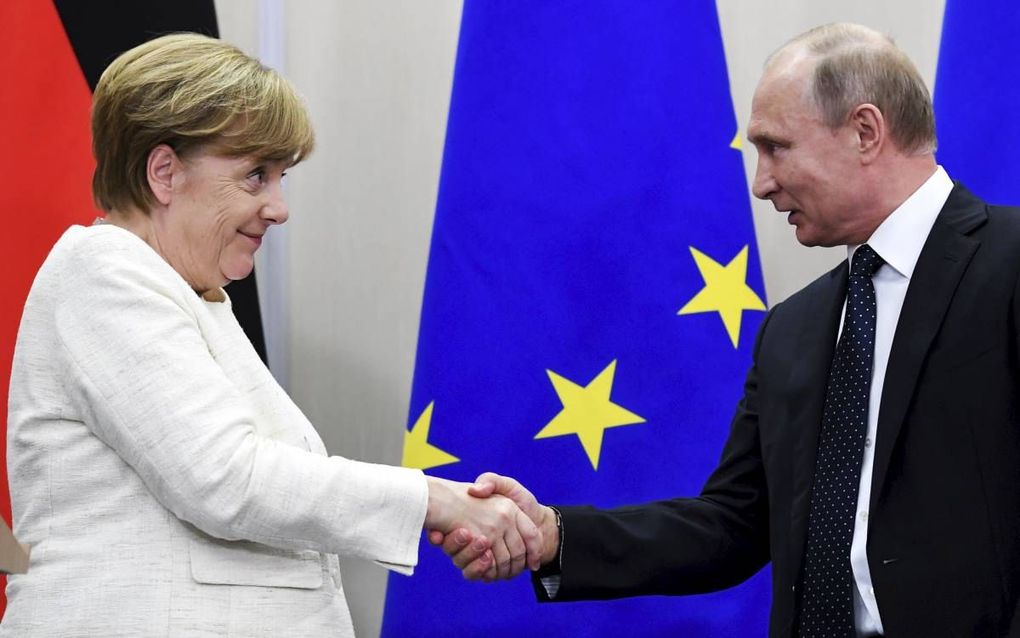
377	78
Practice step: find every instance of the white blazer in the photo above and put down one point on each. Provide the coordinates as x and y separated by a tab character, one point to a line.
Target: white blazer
167	484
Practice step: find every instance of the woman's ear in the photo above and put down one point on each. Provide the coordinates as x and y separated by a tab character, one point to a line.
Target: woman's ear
160	167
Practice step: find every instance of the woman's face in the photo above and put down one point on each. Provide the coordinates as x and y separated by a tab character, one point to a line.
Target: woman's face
221	208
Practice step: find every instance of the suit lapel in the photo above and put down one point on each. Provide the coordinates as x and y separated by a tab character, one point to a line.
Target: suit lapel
942	262
817	343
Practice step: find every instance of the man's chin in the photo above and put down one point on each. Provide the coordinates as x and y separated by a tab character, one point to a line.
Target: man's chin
804	236
810	239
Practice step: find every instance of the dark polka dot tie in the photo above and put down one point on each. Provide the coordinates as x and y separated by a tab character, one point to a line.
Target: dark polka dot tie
827	609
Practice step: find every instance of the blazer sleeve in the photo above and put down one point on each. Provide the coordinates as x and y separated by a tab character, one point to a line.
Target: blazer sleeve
678	546
141	373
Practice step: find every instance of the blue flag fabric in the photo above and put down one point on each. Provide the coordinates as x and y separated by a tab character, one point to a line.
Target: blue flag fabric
592	294
977	90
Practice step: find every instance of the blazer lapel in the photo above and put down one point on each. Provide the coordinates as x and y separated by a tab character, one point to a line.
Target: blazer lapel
816	346
942	262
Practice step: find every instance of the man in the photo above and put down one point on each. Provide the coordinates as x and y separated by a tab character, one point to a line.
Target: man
875	456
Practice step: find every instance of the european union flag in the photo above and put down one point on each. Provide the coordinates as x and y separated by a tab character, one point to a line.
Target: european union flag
977	90
592	295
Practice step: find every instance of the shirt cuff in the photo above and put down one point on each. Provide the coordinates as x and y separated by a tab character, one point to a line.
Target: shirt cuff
550	574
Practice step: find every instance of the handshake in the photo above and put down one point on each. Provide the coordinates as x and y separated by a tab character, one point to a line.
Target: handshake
491	529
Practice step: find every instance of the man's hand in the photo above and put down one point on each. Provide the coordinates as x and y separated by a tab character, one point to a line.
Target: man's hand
470	555
491	528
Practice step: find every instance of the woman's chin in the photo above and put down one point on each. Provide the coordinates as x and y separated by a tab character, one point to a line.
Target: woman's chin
238	272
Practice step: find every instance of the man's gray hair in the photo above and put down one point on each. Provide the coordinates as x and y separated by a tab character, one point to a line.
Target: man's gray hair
856	65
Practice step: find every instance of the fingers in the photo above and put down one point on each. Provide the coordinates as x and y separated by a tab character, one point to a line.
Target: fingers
477	561
480	568
521	540
452	542
462	555
533	541
504	557
518	552
474	559
509	528
490	576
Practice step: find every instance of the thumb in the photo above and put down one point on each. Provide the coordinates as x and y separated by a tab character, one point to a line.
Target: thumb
484	485
490	483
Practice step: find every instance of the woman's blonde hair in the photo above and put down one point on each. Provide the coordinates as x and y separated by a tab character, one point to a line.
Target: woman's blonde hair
188	91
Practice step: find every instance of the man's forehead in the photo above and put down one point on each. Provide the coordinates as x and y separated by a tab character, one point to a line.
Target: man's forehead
779	101
782	85
774	94
786	71
792	59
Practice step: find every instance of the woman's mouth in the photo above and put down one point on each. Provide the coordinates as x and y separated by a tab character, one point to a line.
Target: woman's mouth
255	239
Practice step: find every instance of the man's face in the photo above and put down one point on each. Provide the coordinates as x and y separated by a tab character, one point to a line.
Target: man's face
805	168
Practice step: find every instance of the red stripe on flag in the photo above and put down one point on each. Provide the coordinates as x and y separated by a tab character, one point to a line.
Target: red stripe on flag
45	161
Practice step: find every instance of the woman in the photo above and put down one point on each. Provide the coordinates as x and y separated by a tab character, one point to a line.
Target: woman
166	483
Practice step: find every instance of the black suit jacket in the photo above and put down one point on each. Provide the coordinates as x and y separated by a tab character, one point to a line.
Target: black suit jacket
944	530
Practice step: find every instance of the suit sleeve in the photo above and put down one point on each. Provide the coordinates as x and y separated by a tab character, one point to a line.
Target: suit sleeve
678	546
142	375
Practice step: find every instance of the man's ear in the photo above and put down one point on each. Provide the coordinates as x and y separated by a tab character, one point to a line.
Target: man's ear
160	168
869	125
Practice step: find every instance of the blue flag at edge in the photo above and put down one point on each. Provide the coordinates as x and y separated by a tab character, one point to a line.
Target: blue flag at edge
592	233
977	89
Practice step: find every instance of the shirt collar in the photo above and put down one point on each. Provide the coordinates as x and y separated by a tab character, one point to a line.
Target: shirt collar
899	239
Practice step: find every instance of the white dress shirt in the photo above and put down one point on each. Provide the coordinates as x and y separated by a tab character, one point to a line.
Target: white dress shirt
898	241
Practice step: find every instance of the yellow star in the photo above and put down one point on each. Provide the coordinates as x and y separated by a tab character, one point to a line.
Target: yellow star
726	291
738	143
587	411
418	452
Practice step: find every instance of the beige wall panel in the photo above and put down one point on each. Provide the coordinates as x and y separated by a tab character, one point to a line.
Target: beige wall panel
377	76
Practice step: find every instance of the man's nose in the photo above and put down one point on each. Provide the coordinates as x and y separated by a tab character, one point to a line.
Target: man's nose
764	184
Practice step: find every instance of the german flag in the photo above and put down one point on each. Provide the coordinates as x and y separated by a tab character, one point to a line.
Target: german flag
52	58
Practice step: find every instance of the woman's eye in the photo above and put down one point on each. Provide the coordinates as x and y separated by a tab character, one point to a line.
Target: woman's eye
257	176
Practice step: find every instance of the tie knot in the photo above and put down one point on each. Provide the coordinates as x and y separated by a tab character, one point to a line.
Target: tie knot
866	262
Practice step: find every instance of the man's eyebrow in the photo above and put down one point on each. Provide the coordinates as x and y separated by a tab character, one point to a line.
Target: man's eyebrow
763	137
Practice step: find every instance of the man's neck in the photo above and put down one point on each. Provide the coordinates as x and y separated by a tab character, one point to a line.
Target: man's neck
891	184
901	179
